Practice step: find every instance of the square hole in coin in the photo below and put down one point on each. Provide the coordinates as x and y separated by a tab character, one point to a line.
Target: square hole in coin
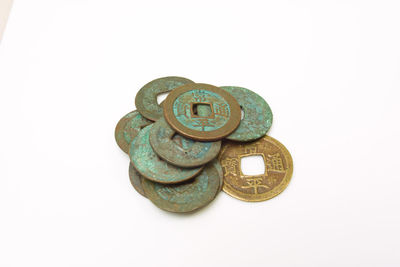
201	110
161	97
252	165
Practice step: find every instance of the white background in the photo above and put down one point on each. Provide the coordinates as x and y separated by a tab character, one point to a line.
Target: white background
329	70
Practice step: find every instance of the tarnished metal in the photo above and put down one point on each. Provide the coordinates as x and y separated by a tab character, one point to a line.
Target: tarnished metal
220	172
277	175
178	150
148	164
136	179
257	115
128	127
187	196
180	111
146	98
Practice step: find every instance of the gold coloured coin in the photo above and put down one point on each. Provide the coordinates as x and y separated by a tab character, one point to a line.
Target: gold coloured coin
184	111
276	177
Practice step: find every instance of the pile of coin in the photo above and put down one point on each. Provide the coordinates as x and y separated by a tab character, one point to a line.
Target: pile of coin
186	149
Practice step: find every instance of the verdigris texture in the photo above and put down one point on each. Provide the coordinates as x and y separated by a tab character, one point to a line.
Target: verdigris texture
178	150
187	196
146	98
257	115
148	164
128	127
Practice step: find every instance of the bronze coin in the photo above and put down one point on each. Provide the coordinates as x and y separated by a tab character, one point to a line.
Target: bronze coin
186	196
128	127
276	177
136	179
146	98
180	111
257	117
148	164
178	150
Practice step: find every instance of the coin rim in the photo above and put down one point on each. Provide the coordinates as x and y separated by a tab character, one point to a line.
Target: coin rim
227	188
140	178
227	129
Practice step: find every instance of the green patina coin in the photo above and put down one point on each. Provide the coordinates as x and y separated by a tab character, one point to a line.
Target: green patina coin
146	98
136	179
148	164
257	115
182	112
178	150
187	196
128	127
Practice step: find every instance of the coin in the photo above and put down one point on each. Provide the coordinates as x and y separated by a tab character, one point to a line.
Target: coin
136	179
257	117
186	196
218	167
148	164
146	98
178	150
128	127
277	175
181	112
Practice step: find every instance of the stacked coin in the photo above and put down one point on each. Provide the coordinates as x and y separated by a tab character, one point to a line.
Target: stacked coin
186	149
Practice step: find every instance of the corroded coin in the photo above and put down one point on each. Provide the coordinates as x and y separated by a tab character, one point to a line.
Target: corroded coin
277	175
146	98
136	179
128	127
257	117
187	196
178	150
148	164
181	110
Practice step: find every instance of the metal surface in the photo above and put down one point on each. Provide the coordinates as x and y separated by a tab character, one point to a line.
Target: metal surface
136	179
277	175
178	150
187	196
220	172
146	98
180	111
148	164
128	127
257	115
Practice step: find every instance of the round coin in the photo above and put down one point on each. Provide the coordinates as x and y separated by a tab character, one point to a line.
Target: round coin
136	179
148	164
178	150
128	127
187	196
257	117
146	98
181	112
277	175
